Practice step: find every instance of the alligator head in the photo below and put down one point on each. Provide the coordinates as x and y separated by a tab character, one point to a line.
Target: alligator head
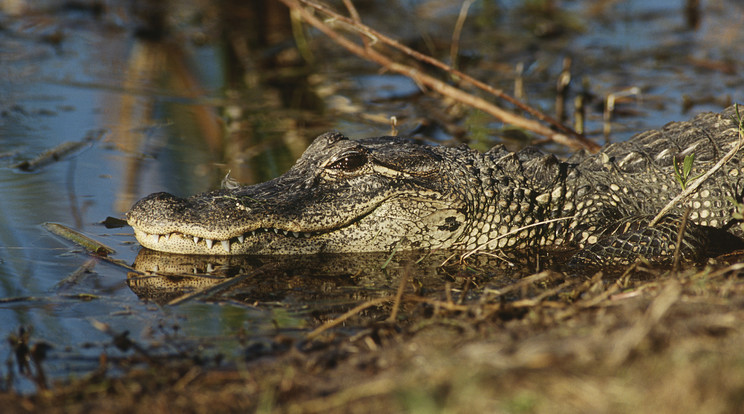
374	194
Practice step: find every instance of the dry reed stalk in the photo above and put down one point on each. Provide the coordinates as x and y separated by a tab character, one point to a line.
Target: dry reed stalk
566	137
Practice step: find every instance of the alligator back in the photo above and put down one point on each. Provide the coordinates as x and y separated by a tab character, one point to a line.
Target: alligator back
645	165
634	180
708	136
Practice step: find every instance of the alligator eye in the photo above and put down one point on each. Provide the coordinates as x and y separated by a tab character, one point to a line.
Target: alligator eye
350	162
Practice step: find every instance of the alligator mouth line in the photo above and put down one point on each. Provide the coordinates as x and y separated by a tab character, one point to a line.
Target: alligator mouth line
156	238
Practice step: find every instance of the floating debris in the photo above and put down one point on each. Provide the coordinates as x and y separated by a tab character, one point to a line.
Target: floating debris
59	152
80	239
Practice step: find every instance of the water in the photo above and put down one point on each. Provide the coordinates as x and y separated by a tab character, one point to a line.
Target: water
68	73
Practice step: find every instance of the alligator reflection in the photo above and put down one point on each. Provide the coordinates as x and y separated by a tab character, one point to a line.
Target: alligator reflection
169	278
325	280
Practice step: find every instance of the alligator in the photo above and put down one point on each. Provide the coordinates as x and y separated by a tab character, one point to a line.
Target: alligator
392	194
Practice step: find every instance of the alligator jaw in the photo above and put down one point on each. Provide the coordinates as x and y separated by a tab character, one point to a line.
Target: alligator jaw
166	223
189	244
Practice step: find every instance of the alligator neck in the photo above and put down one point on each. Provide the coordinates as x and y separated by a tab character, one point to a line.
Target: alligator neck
515	199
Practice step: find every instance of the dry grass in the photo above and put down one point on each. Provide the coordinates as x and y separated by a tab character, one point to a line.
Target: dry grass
642	341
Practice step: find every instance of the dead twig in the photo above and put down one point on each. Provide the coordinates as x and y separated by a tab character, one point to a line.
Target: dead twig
337	321
60	152
225	284
90	245
680	235
566	137
357	19
629	339
489	307
521	283
457	32
398	295
736	267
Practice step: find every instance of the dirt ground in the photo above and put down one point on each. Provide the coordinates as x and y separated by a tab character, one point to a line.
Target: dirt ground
643	340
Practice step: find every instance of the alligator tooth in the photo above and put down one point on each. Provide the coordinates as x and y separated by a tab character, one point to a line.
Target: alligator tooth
156	238
210	268
241	238
253	232
196	240
155	268
209	243
226	245
276	231
306	235
167	236
294	233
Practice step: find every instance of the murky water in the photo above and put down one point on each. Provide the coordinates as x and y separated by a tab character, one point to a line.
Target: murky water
162	106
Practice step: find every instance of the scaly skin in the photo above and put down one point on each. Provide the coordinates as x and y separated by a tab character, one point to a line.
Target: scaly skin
388	193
